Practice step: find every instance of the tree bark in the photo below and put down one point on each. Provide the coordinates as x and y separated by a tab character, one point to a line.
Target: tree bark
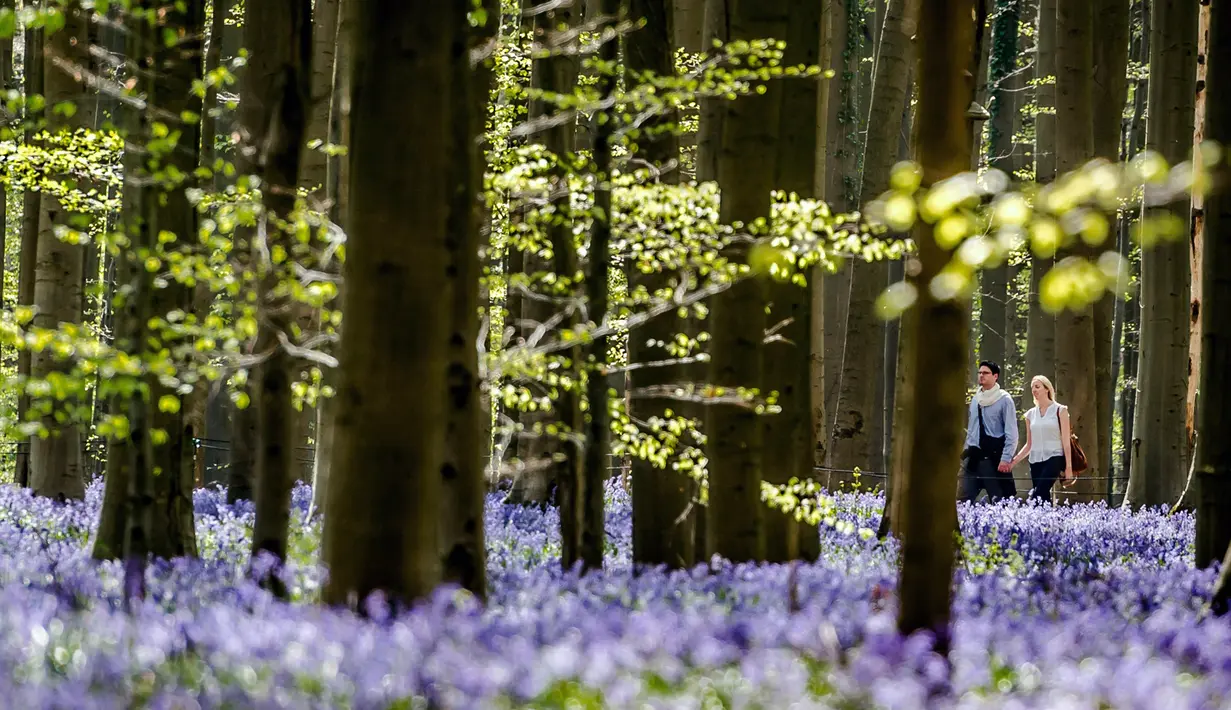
1041	325
788	450
855	436
312	173
750	128
1159	464
56	460
1213	447
709	132
382	516
274	115
463	558
1002	62
1110	96
1075	346
663	523
548	458
28	257
939	332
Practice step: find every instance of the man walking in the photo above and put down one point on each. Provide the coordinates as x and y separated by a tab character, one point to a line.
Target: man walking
991	439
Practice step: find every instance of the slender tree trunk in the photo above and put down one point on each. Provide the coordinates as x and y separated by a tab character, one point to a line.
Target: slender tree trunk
709	133
1196	239
274	114
663	523
1159	464
463	558
1002	62
598	426
1213	448
750	130
1041	325
28	257
336	180
312	173
855	436
56	460
1075	347
788	451
1110	96
939	331
382	518
548	458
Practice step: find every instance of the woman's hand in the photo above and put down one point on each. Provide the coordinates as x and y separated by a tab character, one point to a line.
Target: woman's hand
1068	474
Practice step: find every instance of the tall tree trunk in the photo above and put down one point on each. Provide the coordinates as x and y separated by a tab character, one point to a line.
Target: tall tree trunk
1002	63
598	425
1110	96
1159	463
709	132
788	450
547	458
1075	349
462	488
663	524
56	460
855	437
1213	446
1196	237
312	173
939	331
1041	325
336	180
274	114
750	129
381	520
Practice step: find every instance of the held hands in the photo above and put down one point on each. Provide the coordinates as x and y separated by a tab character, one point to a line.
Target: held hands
1005	466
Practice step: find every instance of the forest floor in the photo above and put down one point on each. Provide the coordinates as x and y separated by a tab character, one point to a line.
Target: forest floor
1065	607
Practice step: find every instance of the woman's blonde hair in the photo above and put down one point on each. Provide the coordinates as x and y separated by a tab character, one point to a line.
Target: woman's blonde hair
1041	379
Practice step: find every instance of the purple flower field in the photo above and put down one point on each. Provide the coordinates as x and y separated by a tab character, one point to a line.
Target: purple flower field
1079	607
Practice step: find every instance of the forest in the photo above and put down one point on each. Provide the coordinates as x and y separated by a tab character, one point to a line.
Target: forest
391	354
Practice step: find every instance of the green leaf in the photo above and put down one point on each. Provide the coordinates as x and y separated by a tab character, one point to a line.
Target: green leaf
168	403
8	22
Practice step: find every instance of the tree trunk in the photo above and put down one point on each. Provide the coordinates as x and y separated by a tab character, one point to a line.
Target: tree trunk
1075	348
28	258
663	523
1213	447
56	460
1110	96
750	130
7	83
548	458
1002	63
336	180
1159	464
938	341
1196	238
274	115
788	451
855	436
312	173
463	558
382	516
1041	325
709	132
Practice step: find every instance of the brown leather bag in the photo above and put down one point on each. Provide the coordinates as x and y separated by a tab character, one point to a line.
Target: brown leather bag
1080	462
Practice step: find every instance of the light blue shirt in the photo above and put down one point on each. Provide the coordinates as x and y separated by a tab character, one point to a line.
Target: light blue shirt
999	419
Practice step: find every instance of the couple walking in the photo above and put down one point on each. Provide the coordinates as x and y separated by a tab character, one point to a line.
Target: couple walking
991	436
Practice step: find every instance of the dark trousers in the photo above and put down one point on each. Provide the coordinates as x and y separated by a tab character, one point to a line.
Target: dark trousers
982	474
1043	475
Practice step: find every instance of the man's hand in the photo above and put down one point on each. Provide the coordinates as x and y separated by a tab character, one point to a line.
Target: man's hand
1004	467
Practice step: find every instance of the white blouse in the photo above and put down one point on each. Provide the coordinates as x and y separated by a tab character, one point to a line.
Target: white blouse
1045	439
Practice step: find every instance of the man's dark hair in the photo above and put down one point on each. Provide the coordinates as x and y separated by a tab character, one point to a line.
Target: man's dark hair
991	366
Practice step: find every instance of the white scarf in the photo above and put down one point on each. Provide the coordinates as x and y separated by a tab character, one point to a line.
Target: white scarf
990	396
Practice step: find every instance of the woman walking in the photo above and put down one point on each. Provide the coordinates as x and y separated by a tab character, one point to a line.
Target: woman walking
1047	440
